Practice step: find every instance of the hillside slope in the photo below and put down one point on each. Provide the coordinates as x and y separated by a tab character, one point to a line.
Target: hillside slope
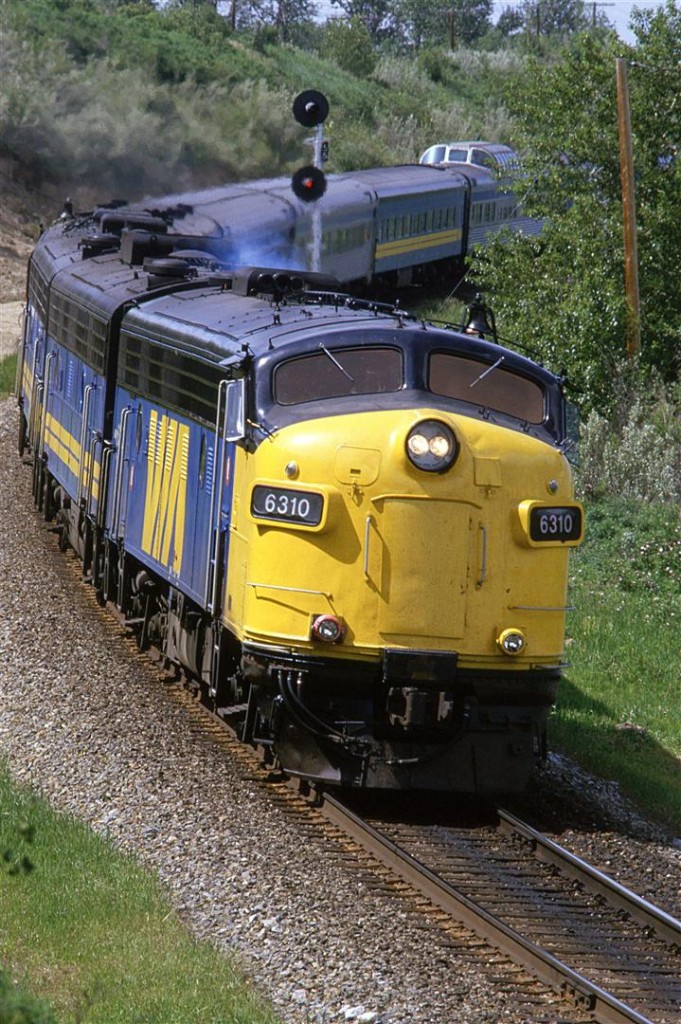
21	211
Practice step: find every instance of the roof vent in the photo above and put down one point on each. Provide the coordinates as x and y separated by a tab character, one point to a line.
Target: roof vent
98	243
163	272
115	221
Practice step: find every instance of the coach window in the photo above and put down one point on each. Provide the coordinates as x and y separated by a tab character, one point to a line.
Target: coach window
337	373
483	159
487	385
434	155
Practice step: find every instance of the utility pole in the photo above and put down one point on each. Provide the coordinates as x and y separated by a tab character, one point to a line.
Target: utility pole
629	211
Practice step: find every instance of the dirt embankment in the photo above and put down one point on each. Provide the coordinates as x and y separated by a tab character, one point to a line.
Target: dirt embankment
22	211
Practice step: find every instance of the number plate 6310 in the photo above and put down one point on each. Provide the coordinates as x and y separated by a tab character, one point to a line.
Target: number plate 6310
545	523
287	505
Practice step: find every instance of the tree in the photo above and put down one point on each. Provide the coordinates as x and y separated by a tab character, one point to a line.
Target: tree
376	15
554	17
563	292
510	21
282	14
443	22
349	45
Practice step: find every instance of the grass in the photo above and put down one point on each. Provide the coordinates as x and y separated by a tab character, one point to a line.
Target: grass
619	710
8	372
88	929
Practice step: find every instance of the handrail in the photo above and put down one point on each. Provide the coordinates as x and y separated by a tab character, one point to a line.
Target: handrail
43	419
214	531
118	480
82	468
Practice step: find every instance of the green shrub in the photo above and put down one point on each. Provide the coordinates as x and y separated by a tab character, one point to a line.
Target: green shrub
349	44
18	1008
636	451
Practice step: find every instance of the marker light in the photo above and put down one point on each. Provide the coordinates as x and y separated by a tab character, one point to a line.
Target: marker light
432	446
328	628
512	642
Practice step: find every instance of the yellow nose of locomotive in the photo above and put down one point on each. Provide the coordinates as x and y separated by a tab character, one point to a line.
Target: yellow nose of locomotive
394	529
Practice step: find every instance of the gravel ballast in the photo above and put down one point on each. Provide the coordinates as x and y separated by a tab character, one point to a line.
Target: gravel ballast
97	733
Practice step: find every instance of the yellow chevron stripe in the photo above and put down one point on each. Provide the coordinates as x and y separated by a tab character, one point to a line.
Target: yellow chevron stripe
67	449
165	499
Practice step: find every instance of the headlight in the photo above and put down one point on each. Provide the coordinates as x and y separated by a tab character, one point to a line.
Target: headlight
328	628
431	446
512	642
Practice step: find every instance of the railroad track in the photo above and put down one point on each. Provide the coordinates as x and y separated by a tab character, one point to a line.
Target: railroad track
611	953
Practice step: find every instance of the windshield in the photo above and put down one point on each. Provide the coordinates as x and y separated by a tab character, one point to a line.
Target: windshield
333	373
488	385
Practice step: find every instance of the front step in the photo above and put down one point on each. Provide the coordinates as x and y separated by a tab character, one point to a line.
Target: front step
234	709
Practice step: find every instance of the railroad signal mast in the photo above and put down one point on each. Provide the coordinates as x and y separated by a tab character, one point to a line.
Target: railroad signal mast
311	108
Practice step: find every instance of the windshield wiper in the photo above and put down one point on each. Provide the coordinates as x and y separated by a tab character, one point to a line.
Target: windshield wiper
335	362
487	371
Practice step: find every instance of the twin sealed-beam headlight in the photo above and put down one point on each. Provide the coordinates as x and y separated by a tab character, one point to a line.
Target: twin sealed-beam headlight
431	446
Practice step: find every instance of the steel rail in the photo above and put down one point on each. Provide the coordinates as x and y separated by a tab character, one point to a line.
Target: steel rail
666	927
603	1006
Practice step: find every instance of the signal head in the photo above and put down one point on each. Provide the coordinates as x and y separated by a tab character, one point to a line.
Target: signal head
310	108
308	183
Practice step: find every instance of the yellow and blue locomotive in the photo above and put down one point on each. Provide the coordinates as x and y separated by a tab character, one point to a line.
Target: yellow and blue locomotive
347	527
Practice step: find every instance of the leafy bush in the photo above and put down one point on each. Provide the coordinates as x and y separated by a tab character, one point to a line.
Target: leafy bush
567	289
349	44
636	452
18	1008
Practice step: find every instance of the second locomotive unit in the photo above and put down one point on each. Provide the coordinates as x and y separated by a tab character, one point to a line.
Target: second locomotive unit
348	528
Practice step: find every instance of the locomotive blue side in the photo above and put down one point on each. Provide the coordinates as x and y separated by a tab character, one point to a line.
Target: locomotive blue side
170	491
63	389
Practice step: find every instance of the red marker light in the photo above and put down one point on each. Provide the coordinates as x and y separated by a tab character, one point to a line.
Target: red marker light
308	183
